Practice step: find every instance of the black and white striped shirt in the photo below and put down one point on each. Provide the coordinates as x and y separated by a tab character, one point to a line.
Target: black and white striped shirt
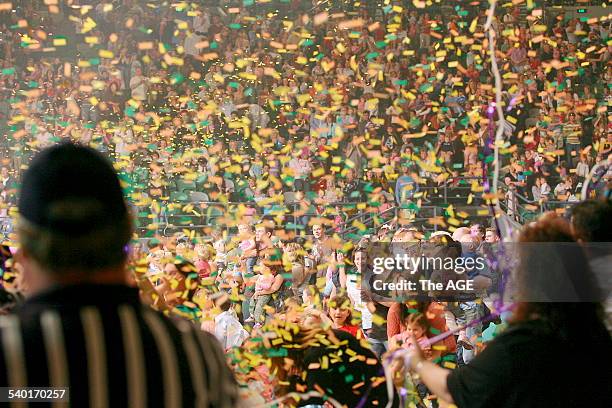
111	351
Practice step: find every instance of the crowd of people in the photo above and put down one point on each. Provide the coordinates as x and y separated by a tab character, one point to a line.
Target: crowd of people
359	103
276	122
299	324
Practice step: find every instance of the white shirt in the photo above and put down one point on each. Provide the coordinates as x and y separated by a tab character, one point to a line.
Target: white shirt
138	85
44	139
190	44
582	169
229	331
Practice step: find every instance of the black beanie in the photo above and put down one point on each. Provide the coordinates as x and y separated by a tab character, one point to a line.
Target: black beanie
71	189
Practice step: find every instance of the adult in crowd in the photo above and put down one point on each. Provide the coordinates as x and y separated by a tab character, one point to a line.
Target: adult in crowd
82	327
591	223
528	364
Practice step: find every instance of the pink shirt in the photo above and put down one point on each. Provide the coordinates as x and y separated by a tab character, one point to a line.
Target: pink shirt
406	341
264	282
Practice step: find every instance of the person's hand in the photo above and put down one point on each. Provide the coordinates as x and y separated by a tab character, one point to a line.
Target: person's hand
415	354
398	371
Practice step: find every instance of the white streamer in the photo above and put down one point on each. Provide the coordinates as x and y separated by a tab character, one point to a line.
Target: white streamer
498	95
498	106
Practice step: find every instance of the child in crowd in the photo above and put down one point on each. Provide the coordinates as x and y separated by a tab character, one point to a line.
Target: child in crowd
340	313
294	263
228	329
219	246
248	247
417	328
268	283
201	262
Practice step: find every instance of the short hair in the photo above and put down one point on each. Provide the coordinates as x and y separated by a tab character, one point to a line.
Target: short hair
225	304
99	249
493	230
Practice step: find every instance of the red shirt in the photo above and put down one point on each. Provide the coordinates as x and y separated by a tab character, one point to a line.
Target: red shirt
203	268
352	329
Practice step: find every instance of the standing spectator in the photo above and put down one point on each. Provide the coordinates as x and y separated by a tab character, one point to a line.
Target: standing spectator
139	86
582	168
88	328
538	333
591	224
405	186
8	186
572	133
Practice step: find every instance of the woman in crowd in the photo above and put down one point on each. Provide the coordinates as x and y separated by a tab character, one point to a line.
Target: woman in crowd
539	361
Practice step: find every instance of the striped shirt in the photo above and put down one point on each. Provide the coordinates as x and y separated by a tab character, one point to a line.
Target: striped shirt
111	351
572	132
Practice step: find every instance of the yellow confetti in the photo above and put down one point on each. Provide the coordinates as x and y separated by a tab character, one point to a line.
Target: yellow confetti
351	24
105	54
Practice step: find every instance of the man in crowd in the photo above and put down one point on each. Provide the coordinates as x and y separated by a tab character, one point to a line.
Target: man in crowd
83	328
491	236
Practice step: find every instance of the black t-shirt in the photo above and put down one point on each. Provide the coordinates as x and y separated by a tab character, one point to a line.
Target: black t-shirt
346	379
529	366
447	147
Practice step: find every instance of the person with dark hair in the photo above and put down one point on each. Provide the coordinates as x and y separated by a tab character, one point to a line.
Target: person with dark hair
82	327
341	314
8	301
177	288
592	220
591	223
539	361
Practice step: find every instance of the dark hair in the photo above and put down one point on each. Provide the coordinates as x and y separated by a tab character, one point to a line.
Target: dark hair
98	249
342	302
225	305
592	220
8	300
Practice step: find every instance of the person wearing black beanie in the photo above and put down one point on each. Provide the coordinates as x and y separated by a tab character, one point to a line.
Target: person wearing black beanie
73	218
82	329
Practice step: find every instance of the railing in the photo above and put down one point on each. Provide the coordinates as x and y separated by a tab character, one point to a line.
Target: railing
225	216
206	214
170	217
453	190
524	210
